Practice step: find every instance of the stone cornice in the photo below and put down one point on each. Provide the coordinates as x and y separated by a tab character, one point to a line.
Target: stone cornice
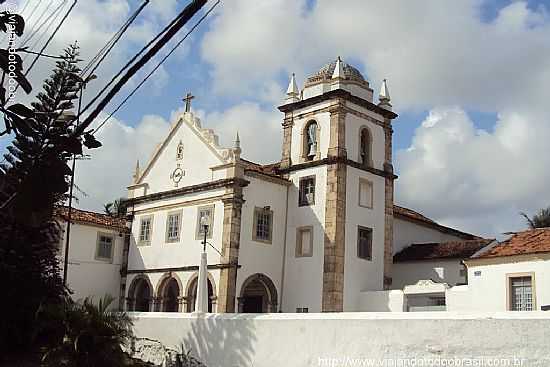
333	160
182	268
227	182
339	93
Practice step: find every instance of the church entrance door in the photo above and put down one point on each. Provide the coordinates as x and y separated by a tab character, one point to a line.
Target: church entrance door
258	295
253	304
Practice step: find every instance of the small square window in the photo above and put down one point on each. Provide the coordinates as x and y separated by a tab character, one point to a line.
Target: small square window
173	223
307	191
145	230
365	193
105	244
262	226
304	241
302	310
364	243
208	213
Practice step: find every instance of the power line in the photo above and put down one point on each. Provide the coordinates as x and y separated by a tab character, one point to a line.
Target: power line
113	41
182	19
49	20
38	20
129	62
156	67
52	21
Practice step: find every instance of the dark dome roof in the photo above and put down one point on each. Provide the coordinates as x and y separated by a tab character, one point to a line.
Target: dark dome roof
325	73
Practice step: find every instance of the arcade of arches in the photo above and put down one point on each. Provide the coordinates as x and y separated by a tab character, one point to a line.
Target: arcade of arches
258	295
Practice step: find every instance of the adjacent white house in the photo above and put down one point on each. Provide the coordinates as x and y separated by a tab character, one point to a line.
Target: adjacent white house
95	252
513	275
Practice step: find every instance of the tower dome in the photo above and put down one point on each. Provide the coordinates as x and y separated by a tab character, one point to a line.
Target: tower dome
326	72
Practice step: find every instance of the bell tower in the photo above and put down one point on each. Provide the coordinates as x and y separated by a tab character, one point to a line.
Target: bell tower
337	145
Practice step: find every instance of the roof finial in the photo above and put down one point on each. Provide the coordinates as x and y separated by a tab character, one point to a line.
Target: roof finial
237	141
292	92
338	69
384	97
237	148
136	172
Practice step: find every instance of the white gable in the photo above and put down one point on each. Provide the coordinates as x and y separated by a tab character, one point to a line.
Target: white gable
184	158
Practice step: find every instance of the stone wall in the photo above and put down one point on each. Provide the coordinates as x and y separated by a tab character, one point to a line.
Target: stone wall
346	339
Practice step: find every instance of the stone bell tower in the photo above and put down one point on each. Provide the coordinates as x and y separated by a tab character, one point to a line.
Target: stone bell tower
339	141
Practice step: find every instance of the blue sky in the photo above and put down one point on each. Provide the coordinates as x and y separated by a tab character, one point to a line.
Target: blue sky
468	79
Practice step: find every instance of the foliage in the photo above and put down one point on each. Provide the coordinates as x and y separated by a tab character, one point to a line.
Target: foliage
539	220
85	334
116	208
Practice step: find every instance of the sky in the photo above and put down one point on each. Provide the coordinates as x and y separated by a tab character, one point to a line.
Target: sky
468	79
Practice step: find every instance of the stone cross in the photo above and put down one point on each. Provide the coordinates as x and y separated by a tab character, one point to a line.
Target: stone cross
187	100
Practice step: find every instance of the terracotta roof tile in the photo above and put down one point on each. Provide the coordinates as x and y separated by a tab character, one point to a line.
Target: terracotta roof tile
266	169
441	250
413	216
532	241
86	217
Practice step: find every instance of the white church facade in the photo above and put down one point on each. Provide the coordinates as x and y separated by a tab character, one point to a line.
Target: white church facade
311	233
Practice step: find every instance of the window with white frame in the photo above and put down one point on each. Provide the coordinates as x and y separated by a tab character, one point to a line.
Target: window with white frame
365	193
145	230
262	226
208	213
364	243
521	293
306	191
304	241
105	245
173	224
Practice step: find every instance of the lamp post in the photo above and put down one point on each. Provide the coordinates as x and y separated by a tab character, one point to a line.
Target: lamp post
201	305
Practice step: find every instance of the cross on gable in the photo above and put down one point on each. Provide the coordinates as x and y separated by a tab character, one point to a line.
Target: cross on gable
187	101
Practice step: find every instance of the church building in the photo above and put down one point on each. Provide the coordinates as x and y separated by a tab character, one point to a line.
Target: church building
310	233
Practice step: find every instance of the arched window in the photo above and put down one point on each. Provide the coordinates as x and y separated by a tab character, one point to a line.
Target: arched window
365	147
311	140
192	295
169	294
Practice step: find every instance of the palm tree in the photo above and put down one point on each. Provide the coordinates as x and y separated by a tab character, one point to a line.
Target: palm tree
539	220
90	335
116	208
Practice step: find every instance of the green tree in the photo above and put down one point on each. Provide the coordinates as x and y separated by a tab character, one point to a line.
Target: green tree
538	220
36	175
86	334
116	208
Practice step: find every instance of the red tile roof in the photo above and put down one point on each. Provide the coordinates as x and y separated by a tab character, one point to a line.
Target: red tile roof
533	241
265	169
441	250
400	212
86	217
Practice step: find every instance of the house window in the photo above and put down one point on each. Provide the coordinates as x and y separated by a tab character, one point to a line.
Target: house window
364	243
365	147
105	244
302	310
208	213
310	140
145	230
365	193
307	191
304	241
521	293
173	223
262	226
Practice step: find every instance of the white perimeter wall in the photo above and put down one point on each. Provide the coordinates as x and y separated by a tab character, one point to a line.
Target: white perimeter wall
440	271
308	339
86	276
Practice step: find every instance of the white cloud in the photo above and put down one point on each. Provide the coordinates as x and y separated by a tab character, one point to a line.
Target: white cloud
109	171
473	178
259	130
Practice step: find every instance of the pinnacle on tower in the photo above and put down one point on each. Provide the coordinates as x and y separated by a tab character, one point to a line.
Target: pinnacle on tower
338	69
384	97
136	172
292	92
